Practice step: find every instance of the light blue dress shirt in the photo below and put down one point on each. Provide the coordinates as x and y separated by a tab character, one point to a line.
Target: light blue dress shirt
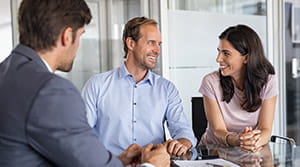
124	112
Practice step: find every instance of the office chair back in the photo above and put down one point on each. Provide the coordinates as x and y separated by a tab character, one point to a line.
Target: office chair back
199	121
284	143
287	140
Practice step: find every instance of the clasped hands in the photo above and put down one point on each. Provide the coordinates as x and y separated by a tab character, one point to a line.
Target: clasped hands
158	155
249	140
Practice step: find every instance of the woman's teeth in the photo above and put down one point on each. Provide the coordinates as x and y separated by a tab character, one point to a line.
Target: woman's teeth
223	66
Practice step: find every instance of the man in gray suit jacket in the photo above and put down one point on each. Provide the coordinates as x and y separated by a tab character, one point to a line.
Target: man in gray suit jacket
42	116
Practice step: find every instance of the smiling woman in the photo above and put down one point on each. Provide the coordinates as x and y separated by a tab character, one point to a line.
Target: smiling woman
239	99
231	61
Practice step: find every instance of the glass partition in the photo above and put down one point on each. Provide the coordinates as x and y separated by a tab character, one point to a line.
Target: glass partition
101	47
241	7
292	71
5	29
87	60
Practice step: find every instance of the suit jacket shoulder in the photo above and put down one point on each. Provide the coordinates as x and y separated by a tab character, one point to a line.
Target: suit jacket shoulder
42	118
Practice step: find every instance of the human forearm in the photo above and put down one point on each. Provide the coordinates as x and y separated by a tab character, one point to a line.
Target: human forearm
265	121
227	138
264	137
233	139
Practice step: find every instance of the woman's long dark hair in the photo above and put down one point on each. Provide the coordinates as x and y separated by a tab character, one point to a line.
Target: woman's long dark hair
246	41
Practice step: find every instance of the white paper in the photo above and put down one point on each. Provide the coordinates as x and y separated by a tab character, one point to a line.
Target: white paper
205	163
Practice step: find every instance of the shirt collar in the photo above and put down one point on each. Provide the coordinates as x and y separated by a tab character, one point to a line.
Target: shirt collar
123	72
47	65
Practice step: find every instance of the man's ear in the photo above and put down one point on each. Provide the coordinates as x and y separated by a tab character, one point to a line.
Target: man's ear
130	43
66	36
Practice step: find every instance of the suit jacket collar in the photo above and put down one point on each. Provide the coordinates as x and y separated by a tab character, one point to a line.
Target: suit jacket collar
28	52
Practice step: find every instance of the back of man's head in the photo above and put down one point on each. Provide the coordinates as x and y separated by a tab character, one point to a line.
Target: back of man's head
41	21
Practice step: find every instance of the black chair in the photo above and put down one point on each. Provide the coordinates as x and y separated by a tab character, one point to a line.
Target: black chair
199	121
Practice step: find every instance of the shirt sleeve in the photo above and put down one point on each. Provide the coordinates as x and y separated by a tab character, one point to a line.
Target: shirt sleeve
207	87
146	165
57	129
271	88
176	120
89	94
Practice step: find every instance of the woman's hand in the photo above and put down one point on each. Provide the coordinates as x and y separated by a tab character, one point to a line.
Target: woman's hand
249	139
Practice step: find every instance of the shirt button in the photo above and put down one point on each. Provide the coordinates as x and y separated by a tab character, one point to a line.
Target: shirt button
135	86
134	139
134	103
134	121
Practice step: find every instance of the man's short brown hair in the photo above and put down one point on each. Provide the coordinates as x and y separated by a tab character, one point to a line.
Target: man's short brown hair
132	29
41	21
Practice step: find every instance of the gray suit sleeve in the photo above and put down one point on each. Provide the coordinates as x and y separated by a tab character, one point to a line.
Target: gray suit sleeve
57	128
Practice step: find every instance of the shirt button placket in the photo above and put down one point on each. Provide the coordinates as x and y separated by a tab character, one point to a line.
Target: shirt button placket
134	113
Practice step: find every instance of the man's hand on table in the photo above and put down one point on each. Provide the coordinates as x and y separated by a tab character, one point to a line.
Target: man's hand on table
178	147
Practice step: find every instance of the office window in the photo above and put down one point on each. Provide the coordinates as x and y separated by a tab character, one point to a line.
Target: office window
245	7
5	29
101	47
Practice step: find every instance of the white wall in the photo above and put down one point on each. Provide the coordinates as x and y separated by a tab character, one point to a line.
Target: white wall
5	29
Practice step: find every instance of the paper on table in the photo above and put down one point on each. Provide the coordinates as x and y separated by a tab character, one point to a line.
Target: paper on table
206	163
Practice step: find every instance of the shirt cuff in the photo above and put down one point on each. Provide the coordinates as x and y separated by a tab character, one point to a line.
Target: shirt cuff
146	165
